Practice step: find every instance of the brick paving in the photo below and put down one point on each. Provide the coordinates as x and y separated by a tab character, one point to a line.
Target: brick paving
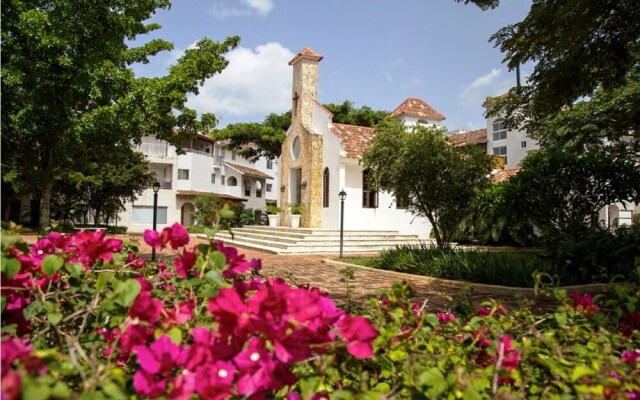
311	270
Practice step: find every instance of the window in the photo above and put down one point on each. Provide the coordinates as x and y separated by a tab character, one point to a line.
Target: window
269	164
233	155
232	181
222	180
143	215
258	189
499	129
523	144
183	174
325	188
500	151
369	196
247	187
213	178
423	122
295	148
269	187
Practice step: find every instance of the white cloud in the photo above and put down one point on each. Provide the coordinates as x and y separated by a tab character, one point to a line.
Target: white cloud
255	83
224	10
494	83
263	7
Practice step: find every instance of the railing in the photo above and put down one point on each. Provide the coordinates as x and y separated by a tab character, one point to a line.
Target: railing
154	149
190	150
218	161
164	184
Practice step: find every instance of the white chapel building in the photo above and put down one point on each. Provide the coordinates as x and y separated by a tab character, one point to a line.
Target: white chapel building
320	158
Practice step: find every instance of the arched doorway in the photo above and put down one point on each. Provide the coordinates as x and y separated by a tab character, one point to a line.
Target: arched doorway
185	214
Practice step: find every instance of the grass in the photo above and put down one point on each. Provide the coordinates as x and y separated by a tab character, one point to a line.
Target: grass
506	267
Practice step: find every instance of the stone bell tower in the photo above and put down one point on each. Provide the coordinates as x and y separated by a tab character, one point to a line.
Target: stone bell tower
300	167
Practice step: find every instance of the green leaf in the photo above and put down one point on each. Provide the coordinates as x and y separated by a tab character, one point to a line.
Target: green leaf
54	317
51	264
219	259
61	390
3	303
560	294
103	279
434	379
34	391
175	334
112	390
432	320
210	232
127	291
74	269
215	276
32	310
10	266
581	371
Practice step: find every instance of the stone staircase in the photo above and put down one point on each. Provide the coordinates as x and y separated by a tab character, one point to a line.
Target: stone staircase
284	240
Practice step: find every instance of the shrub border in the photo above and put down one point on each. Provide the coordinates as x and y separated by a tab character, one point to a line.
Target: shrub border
497	289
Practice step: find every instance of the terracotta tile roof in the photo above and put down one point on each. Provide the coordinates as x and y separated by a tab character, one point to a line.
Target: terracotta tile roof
306	53
247	170
194	193
354	138
417	108
473	137
504	174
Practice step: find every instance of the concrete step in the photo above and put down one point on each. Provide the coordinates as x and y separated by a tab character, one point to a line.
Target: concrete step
285	240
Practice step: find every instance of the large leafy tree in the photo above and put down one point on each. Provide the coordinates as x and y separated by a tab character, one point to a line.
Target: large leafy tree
254	139
438	180
67	82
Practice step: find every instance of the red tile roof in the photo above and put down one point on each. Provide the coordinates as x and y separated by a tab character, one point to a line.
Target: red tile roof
306	53
504	174
417	108
247	170
194	193
473	137
354	138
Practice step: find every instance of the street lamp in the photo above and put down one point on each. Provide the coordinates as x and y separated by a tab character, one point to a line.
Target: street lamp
342	195
156	189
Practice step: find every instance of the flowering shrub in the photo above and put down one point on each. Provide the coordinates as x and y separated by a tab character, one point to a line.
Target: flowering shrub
84	316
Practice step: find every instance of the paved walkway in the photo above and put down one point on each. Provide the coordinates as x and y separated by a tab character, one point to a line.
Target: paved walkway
311	270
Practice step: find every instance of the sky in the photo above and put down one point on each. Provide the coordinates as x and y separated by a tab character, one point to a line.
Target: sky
376	53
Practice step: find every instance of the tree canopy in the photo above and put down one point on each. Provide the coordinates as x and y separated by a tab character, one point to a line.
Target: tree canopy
67	82
253	140
438	180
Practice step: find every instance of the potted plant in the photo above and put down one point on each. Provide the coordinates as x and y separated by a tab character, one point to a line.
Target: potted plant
295	210
273	214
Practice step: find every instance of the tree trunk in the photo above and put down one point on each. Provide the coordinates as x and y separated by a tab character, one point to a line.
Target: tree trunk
45	207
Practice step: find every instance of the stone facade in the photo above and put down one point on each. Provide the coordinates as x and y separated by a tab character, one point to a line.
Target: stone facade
301	173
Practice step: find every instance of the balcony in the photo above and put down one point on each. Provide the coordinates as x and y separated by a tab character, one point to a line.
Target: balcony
160	150
164	184
218	161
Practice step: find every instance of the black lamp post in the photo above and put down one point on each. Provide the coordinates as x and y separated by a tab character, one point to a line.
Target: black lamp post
342	195
156	189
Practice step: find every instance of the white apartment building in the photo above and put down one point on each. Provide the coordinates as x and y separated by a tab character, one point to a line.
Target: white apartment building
206	167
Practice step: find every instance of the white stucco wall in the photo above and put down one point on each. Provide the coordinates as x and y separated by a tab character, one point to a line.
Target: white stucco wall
411	121
385	217
515	153
331	160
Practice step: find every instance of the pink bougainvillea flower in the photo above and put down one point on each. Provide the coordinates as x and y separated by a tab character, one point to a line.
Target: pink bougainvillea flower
630	357
215	380
146	307
258	370
583	302
160	358
182	313
134	262
149	385
229	311
359	334
145	285
510	356
629	323
183	386
446	318
92	247
184	264
152	238
175	235
496	310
